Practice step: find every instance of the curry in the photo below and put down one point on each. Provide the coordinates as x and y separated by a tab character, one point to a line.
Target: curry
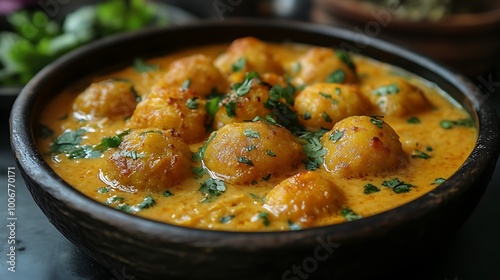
255	136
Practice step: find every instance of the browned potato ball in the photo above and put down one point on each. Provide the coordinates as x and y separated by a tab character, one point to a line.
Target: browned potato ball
106	99
251	152
185	113
243	108
246	55
360	145
320	65
196	71
394	96
305	197
149	159
324	104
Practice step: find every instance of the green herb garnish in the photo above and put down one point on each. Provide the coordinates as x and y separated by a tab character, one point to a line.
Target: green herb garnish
250	133
239	64
337	76
397	186
386	90
226	219
141	66
192	103
413	120
211	189
369	189
420	154
349	215
335	136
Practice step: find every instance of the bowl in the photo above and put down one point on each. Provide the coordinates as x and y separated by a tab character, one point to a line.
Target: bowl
145	249
466	42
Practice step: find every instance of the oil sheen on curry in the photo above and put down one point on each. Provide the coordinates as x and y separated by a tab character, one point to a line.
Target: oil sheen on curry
255	136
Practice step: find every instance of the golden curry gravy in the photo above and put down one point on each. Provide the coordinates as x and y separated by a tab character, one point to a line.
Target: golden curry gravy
435	137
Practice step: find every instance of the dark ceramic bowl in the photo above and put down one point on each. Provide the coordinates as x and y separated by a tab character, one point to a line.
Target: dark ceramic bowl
467	42
133	246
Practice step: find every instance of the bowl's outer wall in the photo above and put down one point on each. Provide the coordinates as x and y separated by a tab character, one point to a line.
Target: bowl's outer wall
148	249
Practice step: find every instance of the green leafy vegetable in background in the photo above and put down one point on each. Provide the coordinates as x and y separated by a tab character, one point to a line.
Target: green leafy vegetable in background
37	40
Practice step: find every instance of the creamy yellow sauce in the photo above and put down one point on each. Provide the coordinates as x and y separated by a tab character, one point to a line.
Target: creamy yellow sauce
239	207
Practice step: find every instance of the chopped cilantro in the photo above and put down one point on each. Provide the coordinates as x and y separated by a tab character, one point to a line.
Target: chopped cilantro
198	156
192	103
314	152
270	153
413	120
250	133
167	193
349	215
226	219
397	186
265	218
230	108
114	199
142	67
150	131
136	95
448	124
244	87
369	188
328	96
337	76
307	115
245	160
186	84
212	106
386	90
198	171
113	141
239	64
438	181
420	154
211	188
277	92
326	117
267	177
125	207
338	91
344	57
294	226
103	190
67	141
376	121
251	148
335	136
146	203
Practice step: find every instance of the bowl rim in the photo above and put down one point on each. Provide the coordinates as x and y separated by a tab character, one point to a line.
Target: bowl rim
36	169
457	23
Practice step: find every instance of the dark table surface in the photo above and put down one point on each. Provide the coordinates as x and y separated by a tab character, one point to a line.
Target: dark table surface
42	253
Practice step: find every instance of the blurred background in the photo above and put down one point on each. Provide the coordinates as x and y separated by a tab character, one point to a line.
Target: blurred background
463	34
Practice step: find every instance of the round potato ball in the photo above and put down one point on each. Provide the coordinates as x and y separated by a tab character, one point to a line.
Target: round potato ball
321	65
111	99
250	152
360	145
305	197
239	108
198	73
148	159
185	113
394	96
248	54
324	104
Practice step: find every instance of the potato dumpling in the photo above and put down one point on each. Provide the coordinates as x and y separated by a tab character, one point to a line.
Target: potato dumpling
185	113
106	99
247	55
249	152
198	73
394	96
148	159
360	145
320	65
237	108
305	197
322	105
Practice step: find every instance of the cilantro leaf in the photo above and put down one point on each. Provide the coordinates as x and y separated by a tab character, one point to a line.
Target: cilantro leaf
369	189
386	90
335	136
226	219
349	215
142	67
337	76
239	64
397	186
211	188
